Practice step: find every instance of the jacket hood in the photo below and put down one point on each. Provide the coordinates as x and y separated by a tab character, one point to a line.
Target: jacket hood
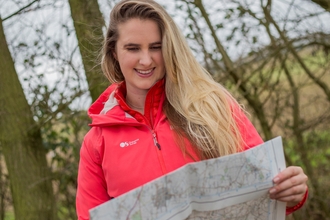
98	105
98	111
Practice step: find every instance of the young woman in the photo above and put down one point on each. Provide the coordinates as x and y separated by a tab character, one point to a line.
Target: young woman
162	111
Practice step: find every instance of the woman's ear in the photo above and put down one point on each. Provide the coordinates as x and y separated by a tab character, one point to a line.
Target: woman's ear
114	55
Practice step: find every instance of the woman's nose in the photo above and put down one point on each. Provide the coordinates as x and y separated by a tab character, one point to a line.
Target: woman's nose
145	58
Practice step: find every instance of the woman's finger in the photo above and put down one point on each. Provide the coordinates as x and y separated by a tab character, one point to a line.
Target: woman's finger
289	183
288	173
297	191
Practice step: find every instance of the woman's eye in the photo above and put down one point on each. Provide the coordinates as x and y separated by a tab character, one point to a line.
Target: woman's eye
133	48
156	48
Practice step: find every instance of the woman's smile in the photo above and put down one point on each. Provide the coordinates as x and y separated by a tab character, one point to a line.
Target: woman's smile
145	72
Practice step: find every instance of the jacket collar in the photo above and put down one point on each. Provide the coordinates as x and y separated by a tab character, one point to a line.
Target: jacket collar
111	106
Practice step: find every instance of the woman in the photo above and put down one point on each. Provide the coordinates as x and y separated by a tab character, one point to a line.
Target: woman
162	111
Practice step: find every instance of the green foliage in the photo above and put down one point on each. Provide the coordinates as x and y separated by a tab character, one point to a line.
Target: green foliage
318	144
319	150
63	138
9	215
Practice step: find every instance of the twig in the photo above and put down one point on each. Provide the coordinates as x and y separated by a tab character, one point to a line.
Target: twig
20	10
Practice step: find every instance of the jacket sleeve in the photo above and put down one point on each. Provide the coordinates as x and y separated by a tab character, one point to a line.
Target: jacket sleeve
91	190
289	210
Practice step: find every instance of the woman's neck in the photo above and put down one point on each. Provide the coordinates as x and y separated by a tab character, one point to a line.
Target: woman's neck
136	102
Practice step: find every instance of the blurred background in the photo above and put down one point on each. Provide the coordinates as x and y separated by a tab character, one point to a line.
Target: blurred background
273	56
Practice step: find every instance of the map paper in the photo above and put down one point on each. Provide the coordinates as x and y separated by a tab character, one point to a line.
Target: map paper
230	187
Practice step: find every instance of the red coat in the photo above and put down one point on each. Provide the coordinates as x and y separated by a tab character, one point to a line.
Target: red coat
125	149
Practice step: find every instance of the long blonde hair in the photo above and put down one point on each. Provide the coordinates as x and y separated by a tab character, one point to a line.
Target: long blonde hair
197	107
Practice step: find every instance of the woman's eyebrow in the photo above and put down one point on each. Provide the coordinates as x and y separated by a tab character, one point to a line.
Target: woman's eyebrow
131	45
137	45
156	43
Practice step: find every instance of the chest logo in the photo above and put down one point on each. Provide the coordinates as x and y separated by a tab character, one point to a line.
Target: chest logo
128	143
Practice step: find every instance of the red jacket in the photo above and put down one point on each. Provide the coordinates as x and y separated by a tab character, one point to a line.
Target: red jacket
125	149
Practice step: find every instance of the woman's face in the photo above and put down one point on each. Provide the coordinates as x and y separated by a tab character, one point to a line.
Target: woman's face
139	53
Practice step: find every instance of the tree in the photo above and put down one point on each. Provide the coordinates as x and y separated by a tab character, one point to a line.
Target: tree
3	189
59	125
88	22
21	143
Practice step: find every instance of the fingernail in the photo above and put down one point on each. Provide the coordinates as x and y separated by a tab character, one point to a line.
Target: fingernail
271	191
276	179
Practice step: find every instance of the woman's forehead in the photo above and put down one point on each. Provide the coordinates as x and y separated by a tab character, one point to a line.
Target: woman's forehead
138	31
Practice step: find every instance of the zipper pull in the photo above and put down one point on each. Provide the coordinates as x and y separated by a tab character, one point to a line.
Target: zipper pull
155	140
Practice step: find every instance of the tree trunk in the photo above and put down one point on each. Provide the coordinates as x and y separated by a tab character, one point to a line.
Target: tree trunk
2	190
88	23
20	139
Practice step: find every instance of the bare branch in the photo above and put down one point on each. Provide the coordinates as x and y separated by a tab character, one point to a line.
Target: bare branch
20	10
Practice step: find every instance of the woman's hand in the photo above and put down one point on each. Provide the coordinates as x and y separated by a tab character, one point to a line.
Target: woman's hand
290	186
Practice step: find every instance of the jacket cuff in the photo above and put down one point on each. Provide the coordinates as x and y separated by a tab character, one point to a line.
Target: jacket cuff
289	210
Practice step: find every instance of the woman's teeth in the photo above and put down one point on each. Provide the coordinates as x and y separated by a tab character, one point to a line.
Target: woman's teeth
145	72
